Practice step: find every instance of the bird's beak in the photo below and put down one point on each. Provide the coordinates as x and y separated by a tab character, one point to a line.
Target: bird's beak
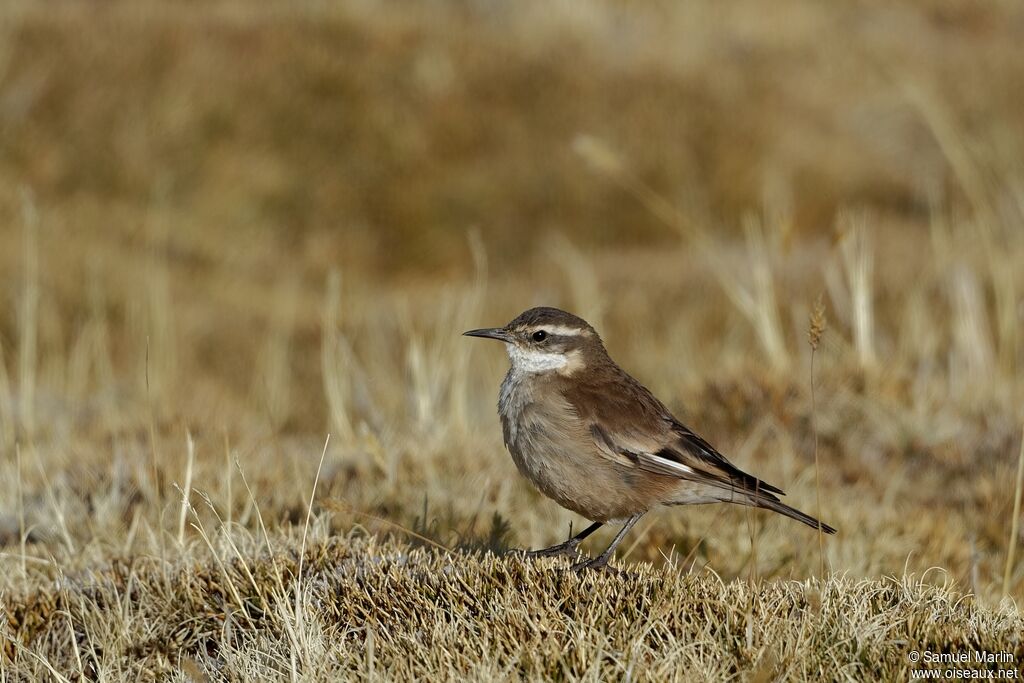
490	333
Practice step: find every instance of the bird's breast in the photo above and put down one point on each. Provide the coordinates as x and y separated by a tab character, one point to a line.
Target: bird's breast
551	447
516	401
533	413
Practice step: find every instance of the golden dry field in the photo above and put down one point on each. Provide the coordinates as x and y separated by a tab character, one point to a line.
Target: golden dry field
242	439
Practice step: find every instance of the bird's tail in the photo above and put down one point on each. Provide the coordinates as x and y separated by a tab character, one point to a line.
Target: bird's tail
782	508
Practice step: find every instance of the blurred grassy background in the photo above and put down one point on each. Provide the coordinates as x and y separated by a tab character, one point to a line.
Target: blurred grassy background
244	147
257	223
375	134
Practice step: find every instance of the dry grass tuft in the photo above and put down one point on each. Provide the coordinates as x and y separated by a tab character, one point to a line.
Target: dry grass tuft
407	613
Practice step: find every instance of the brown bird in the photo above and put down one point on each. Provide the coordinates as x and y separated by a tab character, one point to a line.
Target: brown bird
598	442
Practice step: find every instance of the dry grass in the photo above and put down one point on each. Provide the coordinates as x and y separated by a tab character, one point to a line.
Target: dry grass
373	609
228	231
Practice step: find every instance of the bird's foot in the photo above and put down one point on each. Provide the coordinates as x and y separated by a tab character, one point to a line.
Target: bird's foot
599	563
566	549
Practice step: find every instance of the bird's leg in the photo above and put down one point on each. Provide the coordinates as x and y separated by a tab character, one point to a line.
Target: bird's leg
602	559
566	547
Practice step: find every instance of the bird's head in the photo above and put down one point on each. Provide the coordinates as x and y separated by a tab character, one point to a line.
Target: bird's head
545	340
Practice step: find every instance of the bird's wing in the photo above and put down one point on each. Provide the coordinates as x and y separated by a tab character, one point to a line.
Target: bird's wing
635	425
682	455
689	442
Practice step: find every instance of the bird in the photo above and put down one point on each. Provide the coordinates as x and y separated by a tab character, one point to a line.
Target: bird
598	442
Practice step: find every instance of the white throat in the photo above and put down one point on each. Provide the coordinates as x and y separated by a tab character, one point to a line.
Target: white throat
532	360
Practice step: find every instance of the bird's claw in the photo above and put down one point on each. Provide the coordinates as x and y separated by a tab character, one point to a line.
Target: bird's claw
560	550
599	563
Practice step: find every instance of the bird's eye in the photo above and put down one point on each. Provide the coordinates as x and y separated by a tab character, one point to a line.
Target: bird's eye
540	335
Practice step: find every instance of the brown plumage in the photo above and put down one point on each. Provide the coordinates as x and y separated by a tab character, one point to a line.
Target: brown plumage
598	442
